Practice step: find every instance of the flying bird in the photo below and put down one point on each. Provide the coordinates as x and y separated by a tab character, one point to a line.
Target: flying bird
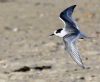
70	34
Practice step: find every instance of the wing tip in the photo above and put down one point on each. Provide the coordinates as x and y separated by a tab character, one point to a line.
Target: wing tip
72	7
83	67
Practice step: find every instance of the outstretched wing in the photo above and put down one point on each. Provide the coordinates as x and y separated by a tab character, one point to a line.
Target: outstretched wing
66	17
72	49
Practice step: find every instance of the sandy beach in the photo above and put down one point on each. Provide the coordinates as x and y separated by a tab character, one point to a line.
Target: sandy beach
29	54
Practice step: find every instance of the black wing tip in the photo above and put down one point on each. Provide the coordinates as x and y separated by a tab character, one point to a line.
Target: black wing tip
83	67
67	9
73	6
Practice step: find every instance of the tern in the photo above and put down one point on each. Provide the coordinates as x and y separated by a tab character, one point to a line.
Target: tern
70	34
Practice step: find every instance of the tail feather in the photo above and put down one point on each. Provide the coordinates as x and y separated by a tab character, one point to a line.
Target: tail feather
83	36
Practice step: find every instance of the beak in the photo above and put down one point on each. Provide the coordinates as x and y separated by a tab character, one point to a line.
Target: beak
51	34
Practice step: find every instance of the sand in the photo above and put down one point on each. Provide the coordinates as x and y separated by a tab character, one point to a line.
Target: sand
28	54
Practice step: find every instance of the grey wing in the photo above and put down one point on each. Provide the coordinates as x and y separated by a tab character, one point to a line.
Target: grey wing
72	50
66	17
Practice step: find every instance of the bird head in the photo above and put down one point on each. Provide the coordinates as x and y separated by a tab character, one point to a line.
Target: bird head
59	32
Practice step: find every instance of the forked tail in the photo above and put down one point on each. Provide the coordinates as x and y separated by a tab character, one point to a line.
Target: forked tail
84	36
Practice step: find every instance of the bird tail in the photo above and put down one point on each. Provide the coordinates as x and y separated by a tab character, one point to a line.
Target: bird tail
84	36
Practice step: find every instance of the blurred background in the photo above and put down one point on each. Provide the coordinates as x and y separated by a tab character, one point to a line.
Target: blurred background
28	54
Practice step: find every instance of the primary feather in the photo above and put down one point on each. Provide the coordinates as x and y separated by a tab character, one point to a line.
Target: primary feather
70	46
66	17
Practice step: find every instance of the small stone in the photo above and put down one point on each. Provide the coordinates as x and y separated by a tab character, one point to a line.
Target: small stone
3	1
37	3
88	67
86	58
77	19
82	78
92	75
75	69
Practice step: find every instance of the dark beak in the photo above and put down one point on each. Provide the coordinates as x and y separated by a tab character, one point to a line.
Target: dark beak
51	34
